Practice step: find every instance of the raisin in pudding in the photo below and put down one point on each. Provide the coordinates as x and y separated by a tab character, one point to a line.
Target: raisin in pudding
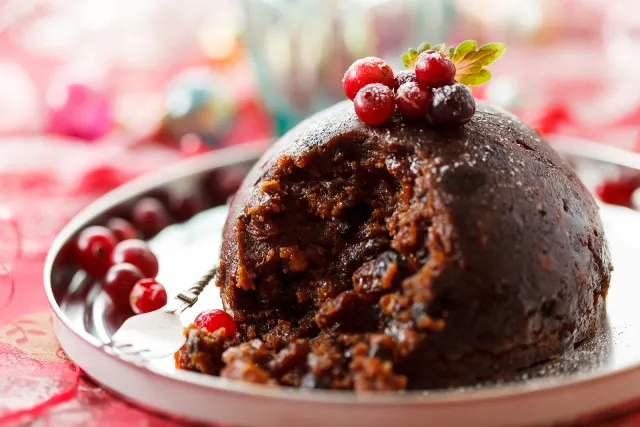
404	255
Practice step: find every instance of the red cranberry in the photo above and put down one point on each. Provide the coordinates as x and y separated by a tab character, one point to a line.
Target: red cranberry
434	69
452	105
366	71
184	206
136	252
213	320
119	281
147	295
374	104
403	77
150	216
413	99
618	191
93	250
220	185
122	229
68	253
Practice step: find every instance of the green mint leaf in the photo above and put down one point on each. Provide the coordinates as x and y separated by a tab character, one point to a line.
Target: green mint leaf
468	58
406	60
471	60
424	47
475	79
463	49
410	56
496	50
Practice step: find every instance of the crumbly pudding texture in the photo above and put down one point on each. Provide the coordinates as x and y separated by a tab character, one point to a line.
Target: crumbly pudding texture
403	256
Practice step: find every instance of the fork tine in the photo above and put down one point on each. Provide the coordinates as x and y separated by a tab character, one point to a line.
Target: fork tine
120	347
135	353
131	350
124	348
126	351
130	342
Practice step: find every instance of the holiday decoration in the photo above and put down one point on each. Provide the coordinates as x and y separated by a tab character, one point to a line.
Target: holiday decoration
78	109
434	87
197	102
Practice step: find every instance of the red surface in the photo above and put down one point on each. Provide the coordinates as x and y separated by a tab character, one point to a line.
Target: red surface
215	319
147	295
38	384
45	181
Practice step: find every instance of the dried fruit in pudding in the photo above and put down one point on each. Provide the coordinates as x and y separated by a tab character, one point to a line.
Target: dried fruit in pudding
404	255
416	253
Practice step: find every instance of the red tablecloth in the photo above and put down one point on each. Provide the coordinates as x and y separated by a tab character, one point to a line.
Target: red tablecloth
44	182
38	385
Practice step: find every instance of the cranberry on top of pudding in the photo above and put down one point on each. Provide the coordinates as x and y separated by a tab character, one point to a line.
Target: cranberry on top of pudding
419	251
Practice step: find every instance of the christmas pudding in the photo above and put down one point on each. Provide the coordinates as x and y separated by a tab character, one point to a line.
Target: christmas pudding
426	245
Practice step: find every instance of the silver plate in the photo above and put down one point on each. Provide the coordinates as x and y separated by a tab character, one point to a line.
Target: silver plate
597	374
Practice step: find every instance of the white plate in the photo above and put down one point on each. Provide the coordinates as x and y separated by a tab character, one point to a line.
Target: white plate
597	375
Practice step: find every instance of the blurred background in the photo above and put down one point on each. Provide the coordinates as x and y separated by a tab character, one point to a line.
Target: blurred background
89	68
96	92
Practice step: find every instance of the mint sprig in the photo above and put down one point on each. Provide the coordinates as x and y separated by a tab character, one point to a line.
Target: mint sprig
410	56
470	61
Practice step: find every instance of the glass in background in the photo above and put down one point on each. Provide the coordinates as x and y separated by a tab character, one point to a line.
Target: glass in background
302	48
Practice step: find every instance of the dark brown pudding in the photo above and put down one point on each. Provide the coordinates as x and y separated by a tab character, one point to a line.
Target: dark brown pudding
402	256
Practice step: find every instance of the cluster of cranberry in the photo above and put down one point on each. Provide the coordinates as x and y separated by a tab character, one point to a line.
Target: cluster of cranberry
429	91
618	191
127	266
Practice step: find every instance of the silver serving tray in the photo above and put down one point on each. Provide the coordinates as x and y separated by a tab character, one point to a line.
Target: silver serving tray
597	375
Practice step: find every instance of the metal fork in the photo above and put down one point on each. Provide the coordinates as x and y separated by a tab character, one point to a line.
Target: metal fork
159	333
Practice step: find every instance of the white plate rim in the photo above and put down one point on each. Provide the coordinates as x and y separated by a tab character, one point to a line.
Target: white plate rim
70	338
